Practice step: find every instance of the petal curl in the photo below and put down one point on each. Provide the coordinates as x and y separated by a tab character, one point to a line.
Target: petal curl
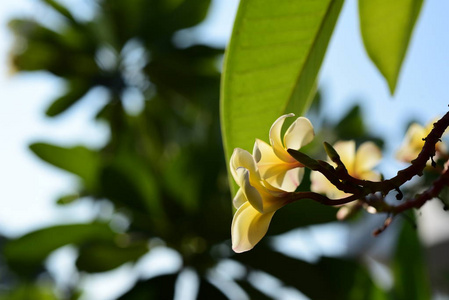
250	192
276	141
248	227
239	199
299	134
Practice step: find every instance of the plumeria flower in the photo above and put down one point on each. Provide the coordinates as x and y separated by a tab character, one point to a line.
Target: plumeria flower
413	142
358	163
275	164
256	202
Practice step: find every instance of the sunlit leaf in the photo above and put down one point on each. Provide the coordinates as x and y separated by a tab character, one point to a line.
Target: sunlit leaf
386	30
271	65
411	277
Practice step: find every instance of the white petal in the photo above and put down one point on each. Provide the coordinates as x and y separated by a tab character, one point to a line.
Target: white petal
250	192
242	159
367	157
239	199
276	141
299	134
248	227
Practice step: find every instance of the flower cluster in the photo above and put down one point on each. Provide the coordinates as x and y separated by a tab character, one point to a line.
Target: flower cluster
266	180
270	175
414	142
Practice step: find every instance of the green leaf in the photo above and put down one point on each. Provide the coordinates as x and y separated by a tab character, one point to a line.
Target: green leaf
75	91
271	65
386	30
78	160
330	278
60	9
103	256
351	126
25	254
301	213
27	291
411	278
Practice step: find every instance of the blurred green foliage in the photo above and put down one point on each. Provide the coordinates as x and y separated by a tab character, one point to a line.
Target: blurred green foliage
163	167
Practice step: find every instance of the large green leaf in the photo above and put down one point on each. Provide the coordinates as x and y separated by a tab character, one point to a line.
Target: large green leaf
28	252
271	64
386	30
78	160
409	268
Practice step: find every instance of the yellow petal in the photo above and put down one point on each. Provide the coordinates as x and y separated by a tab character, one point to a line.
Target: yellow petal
346	150
265	157
370	175
320	184
287	179
412	144
367	157
276	141
299	134
239	199
248	227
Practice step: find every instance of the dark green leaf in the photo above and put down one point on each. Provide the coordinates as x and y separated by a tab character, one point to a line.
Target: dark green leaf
330	278
302	213
28	252
157	288
60	9
208	291
78	160
98	256
75	91
411	277
67	199
252	292
352	125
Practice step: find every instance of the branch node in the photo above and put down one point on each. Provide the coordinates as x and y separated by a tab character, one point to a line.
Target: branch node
399	196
